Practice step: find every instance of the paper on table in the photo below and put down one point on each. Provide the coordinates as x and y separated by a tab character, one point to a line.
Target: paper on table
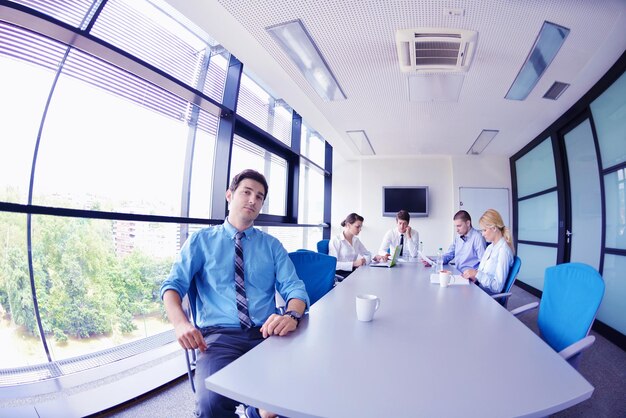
454	279
426	259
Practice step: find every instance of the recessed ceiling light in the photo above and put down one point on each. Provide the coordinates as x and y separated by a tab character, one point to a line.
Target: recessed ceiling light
547	45
299	46
361	142
485	137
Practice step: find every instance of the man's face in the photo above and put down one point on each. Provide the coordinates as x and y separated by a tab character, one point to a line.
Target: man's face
246	201
462	227
402	226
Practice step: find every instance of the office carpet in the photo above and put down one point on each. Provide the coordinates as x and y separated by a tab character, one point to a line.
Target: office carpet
603	365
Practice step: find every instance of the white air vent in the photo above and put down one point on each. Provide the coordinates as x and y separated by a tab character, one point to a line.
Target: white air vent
435	49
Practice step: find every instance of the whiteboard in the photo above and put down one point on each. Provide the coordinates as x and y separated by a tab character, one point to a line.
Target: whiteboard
477	200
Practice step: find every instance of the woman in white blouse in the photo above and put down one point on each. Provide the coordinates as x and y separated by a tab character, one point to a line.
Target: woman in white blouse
349	250
498	257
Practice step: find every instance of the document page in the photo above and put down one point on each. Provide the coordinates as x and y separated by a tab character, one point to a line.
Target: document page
454	280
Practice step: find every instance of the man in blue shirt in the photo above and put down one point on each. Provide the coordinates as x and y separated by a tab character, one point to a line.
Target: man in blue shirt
236	270
468	246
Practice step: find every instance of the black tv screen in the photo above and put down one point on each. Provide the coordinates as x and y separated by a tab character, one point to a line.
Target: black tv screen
412	199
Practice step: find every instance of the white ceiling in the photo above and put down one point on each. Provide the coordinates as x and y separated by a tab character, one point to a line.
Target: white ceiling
357	39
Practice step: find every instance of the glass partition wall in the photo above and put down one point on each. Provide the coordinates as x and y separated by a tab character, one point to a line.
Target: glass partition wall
111	155
569	197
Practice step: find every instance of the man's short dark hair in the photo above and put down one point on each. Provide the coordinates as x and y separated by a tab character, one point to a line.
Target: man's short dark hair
403	215
252	175
463	215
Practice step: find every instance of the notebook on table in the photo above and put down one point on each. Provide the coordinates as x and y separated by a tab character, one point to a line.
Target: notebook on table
391	262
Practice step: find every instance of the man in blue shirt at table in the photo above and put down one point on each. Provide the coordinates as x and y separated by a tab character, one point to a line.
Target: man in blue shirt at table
236	269
468	246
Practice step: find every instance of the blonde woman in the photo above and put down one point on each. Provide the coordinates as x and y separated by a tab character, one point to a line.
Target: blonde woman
498	257
347	248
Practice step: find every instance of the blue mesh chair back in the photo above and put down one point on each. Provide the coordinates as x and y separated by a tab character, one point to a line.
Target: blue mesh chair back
508	284
572	294
316	270
322	246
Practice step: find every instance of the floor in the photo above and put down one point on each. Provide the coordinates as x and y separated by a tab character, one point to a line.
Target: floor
603	365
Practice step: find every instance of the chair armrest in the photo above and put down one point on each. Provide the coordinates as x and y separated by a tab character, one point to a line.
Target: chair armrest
577	347
522	309
501	295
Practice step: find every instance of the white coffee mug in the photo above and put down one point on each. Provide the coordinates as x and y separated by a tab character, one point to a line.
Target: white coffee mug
368	258
444	278
366	306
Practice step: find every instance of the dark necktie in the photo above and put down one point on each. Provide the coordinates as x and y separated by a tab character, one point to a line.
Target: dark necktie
242	302
401	244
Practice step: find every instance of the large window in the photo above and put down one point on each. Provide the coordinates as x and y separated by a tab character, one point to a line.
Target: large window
570	203
259	107
245	155
26	63
106	168
537	209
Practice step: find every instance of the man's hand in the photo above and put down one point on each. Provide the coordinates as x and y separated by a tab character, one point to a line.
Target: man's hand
189	337
280	325
408	231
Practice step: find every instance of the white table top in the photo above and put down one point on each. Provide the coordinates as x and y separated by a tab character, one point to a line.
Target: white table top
429	351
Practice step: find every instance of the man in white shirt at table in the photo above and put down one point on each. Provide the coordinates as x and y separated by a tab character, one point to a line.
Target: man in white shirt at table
468	246
403	235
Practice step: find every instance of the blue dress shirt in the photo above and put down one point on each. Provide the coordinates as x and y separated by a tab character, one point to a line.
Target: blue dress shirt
208	258
466	251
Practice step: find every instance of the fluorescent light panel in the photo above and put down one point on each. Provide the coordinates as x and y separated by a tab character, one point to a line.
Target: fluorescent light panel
547	45
299	46
361	142
485	137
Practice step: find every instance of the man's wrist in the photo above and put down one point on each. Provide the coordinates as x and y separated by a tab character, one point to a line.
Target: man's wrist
294	315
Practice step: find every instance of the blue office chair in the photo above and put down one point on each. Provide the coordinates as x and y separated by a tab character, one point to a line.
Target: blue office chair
316	270
572	293
503	298
322	246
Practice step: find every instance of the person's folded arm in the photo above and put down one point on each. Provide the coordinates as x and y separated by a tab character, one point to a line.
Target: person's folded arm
412	243
494	281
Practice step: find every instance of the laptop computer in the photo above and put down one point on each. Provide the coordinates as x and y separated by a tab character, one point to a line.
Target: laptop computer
389	263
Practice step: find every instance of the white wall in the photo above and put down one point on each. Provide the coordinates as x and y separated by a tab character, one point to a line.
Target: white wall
357	187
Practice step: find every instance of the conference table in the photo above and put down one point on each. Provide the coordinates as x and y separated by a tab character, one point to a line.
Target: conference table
429	351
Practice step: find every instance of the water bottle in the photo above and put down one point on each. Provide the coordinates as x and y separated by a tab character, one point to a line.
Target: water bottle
420	250
439	260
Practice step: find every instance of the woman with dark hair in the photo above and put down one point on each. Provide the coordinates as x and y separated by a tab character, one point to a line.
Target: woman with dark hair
347	248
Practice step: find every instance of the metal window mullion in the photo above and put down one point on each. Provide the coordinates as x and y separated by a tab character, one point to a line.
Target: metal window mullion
203	66
31	270
225	134
328	188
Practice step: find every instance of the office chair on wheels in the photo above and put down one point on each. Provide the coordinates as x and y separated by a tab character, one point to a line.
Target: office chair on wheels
572	294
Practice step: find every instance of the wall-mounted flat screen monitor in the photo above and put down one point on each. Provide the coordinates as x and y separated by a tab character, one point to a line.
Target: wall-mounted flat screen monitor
413	199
